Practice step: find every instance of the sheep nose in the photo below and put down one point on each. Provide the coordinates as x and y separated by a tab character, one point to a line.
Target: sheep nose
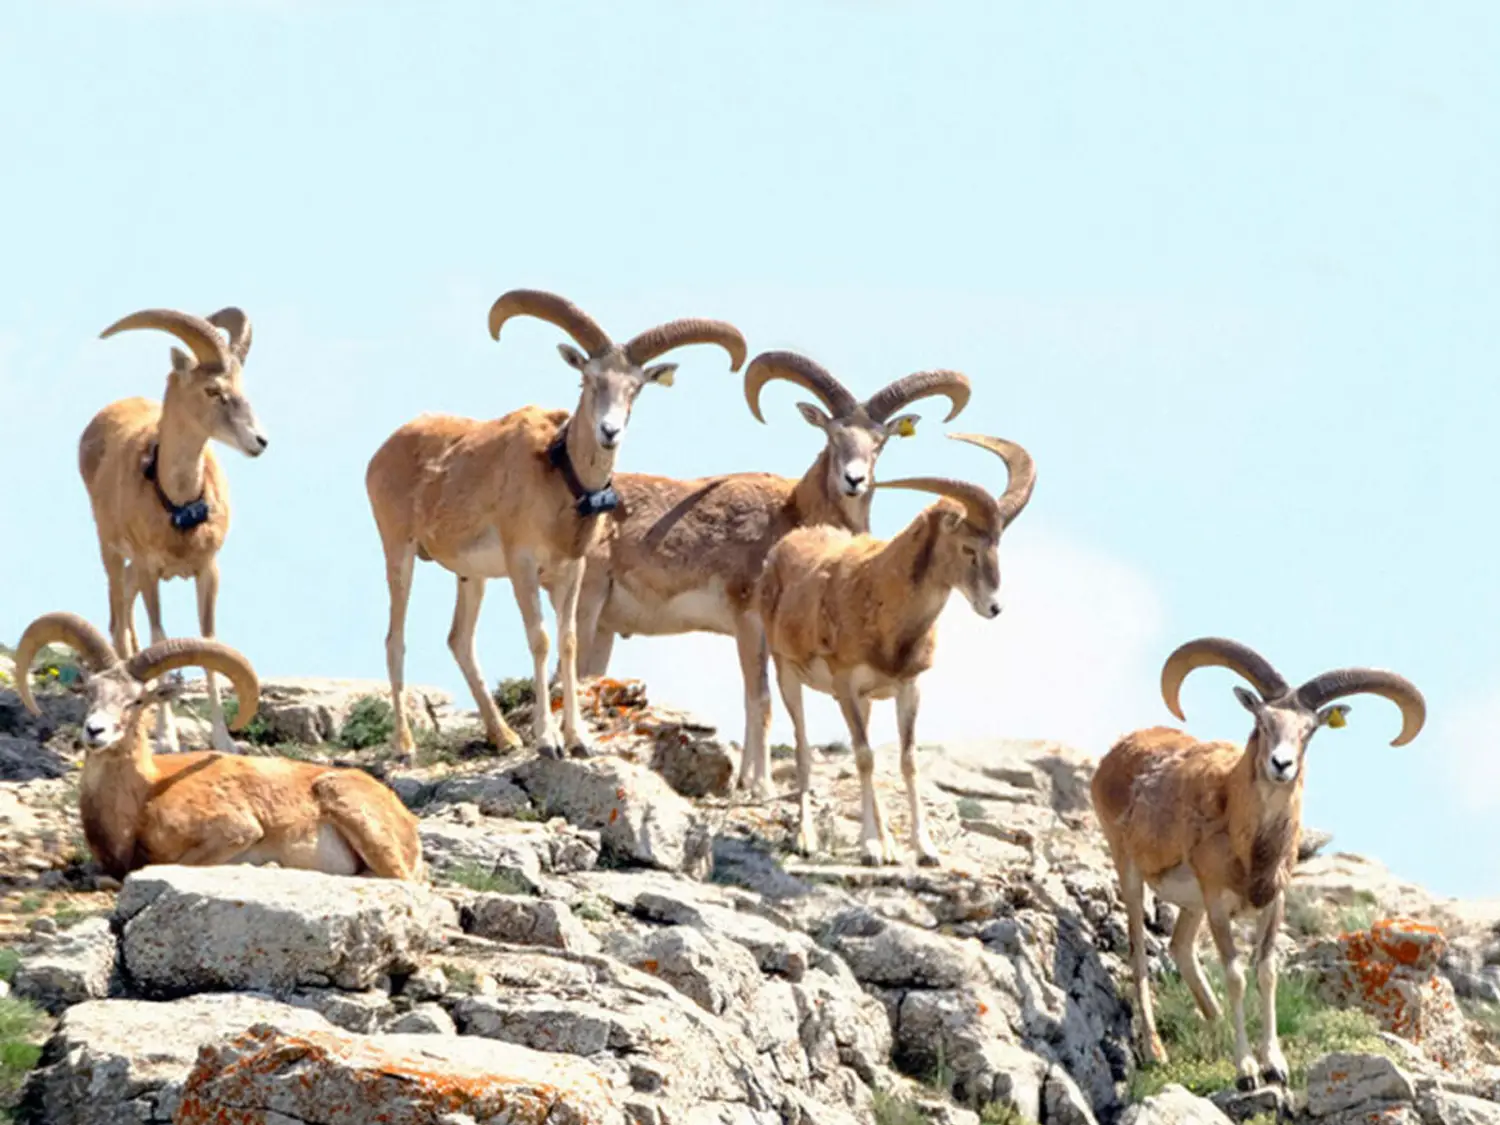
995	608
262	441
94	731
608	432
855	479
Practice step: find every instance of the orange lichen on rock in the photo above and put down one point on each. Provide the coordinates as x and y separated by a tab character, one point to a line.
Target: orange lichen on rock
1390	971
400	1080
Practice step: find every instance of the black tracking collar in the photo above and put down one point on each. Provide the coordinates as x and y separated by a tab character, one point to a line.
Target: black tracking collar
185	517
589	503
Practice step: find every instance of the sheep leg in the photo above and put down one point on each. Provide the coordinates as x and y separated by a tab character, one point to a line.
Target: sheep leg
1133	891
908	698
1185	954
594	644
399	563
219	841
1273	1067
574	734
750	640
121	633
461	644
524	580
876	846
791	696
357	805
1219	925
166	722
207	586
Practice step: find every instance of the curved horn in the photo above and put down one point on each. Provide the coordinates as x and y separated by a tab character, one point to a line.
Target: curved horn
92	647
237	324
554	310
805	373
642	349
201	337
1222	653
212	656
923	384
1019	465
1374	681
979	505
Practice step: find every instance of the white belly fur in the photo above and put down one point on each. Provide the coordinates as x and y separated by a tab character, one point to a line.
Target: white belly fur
706	610
867	682
484	558
1179	886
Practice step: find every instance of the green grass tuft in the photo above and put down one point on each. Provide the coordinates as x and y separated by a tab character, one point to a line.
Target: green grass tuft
891	1110
477	877
512	695
460	979
10	961
371	722
21	1025
258	732
1200	1055
783	752
970	809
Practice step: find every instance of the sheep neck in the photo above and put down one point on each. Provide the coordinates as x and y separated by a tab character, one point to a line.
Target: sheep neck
1264	823
180	448
114	787
817	503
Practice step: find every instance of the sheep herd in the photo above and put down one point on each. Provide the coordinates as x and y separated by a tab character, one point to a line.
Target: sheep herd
786	567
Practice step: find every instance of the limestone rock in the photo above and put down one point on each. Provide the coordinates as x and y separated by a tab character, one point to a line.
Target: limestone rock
639	818
1341	1082
1174	1106
76	965
196	929
117	1062
527	921
338	1079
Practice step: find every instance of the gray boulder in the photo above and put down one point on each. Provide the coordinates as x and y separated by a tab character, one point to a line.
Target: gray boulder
77	964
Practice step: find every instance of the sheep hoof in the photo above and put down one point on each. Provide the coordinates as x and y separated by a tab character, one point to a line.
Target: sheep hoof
1246	1083
927	859
1274	1076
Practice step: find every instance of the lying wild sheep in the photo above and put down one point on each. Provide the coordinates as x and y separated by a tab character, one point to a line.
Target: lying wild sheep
207	808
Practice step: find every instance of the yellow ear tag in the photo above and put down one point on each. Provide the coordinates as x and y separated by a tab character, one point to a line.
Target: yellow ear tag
665	379
1336	719
906	427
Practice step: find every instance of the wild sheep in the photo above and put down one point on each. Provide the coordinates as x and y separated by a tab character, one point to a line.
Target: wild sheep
1213	827
515	497
160	499
855	617
683	555
207	808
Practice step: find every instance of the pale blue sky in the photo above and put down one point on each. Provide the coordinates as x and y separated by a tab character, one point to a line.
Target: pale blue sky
1232	276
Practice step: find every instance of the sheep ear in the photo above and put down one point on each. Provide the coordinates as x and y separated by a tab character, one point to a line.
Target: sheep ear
182	363
1248	700
661	374
1334	716
904	425
572	356
812	415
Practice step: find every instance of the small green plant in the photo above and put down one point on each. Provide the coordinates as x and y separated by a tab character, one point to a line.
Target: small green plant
892	1110
591	908
258	732
1001	1113
782	752
835	748
1486	1013
20	1026
461	979
371	722
10	961
478	877
512	695
1200	1055
970	809
29	904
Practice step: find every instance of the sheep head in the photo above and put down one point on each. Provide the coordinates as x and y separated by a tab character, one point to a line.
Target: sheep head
960	544
206	384
119	692
613	374
1286	718
855	432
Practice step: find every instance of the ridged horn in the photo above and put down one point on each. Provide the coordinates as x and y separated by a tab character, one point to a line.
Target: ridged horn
1019	465
212	656
645	347
92	647
237	324
979	506
1218	652
808	375
554	310
201	337
922	384
1372	681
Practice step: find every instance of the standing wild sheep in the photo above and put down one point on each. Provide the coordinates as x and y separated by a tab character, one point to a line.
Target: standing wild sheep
855	617
160	499
517	497
683	555
207	808
1213	827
